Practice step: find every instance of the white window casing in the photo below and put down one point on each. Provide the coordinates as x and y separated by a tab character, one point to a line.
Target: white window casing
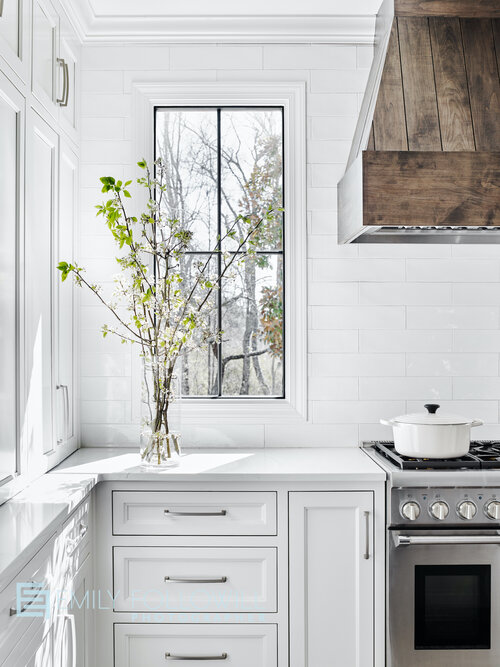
290	96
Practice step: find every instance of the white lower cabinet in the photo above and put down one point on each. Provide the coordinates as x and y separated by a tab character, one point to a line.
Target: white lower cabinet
195	579
331	579
159	645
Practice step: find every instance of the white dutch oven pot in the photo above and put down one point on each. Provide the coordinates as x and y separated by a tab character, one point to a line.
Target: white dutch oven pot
430	435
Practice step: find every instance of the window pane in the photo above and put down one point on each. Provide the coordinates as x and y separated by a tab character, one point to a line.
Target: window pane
187	142
199	367
252	172
252	325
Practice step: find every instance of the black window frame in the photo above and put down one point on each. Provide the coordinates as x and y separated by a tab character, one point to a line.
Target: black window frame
219	108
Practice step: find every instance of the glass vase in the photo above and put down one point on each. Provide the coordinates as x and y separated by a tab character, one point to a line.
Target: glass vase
160	443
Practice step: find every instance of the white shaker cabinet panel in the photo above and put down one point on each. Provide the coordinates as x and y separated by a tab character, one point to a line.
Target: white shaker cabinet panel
40	221
45	48
331	579
157	645
195	579
12	117
194	513
14	35
65	358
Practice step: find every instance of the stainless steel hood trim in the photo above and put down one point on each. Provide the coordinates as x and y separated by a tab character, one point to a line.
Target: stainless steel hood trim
409	234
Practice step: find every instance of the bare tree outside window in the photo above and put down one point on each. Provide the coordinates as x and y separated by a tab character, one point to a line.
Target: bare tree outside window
223	163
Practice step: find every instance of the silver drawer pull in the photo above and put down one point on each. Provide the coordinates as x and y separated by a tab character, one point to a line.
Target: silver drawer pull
13	611
73	544
1	7
367	536
171	656
219	513
194	580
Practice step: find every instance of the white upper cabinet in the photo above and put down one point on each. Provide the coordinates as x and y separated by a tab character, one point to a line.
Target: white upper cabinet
44	59
14	35
41	214
11	182
64	301
331	579
68	77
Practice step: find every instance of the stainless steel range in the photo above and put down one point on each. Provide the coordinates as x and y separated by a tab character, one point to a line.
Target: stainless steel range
443	565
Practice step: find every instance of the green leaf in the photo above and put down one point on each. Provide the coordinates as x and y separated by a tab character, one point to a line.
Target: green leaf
127	193
142	164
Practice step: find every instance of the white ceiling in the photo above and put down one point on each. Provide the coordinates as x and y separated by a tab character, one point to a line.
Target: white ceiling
224	20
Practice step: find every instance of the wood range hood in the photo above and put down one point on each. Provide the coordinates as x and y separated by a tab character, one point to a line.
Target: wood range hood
425	161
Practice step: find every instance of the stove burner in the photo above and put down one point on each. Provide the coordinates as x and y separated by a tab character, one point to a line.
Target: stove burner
483	454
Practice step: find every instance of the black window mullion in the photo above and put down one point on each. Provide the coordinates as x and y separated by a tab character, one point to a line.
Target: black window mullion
219	252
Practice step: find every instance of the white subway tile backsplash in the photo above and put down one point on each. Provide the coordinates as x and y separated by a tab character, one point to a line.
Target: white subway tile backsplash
390	326
349	365
339	81
355	412
406	341
453	317
380	270
208	56
476	341
106	388
485	410
452	270
477	294
475	388
338	294
404	293
357	317
332	341
309	56
452	364
332	104
376	388
311	435
333	388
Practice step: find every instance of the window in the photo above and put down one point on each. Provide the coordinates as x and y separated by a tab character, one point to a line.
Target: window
225	162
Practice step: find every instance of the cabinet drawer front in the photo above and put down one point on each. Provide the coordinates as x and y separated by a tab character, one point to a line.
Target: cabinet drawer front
239	645
195	579
194	513
37	577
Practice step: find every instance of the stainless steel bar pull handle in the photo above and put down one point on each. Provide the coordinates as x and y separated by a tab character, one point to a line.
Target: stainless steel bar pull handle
63	100
171	656
218	513
195	580
65	391
367	536
1	8
405	540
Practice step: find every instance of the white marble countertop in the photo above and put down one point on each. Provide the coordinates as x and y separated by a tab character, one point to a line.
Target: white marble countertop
340	464
29	519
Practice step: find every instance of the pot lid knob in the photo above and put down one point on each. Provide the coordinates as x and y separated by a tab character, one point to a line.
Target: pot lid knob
432	408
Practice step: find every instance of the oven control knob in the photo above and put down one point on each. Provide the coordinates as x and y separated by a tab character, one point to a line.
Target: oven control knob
467	509
493	510
439	510
410	511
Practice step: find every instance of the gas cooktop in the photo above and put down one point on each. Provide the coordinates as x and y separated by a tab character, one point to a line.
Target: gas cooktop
483	454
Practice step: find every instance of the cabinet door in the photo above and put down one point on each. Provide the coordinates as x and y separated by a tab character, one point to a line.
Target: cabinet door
73	629
68	75
14	35
12	129
40	219
331	579
45	48
64	385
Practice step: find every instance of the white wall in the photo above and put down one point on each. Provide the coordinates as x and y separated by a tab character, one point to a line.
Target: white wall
390	327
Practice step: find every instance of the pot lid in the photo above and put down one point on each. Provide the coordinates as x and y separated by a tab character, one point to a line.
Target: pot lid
432	418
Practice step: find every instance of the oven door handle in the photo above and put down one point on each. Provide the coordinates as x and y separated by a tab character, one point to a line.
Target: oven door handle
406	540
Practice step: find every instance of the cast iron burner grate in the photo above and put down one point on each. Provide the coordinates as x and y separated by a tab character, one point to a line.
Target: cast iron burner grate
483	454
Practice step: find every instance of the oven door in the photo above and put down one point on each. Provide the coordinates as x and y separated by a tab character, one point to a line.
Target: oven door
443	598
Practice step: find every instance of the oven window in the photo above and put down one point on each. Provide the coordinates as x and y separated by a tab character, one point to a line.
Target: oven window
452	607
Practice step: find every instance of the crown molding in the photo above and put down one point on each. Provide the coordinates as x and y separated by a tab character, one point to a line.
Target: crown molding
221	29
